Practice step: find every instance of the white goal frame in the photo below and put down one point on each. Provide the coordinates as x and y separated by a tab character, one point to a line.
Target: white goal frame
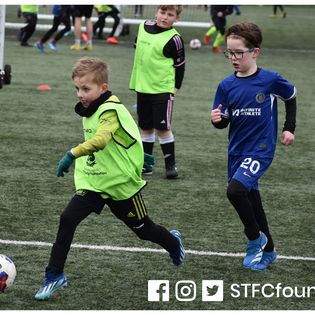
2	30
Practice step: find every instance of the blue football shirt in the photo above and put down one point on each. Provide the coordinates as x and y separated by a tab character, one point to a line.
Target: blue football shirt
250	104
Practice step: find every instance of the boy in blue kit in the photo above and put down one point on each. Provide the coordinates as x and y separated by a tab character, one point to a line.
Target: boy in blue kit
247	101
157	75
108	167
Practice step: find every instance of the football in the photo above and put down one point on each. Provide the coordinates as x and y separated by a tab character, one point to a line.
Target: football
195	43
7	272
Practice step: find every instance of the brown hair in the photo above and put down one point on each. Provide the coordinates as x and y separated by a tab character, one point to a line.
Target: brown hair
249	32
91	65
177	8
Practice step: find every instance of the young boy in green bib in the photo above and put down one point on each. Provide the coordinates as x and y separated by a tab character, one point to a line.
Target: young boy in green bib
108	166
157	75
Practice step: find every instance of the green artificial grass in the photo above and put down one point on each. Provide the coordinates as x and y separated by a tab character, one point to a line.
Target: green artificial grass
38	127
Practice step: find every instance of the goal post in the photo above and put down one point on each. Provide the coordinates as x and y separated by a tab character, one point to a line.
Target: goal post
2	30
5	70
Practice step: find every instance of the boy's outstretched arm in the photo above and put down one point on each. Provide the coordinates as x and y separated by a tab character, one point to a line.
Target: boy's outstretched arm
107	126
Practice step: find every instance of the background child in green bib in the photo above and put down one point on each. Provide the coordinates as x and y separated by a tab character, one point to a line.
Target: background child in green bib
108	166
157	74
29	13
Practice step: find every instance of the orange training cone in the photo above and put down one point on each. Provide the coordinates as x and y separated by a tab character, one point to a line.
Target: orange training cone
44	87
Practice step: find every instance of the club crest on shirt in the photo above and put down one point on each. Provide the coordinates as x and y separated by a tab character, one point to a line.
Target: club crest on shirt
91	160
260	98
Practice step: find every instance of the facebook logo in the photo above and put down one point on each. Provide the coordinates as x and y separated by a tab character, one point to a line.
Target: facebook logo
158	290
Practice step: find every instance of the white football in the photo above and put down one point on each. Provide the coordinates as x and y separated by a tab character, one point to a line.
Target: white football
7	272
195	43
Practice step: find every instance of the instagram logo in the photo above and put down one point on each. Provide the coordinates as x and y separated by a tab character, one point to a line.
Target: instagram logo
158	290
185	290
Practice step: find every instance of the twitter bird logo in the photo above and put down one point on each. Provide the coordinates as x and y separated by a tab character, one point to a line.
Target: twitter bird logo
212	290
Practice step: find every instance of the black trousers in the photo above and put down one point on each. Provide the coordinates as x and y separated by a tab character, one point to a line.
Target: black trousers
219	23
275	8
28	30
100	23
131	211
56	22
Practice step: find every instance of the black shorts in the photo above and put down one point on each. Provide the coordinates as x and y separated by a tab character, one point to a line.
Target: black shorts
83	10
155	111
131	211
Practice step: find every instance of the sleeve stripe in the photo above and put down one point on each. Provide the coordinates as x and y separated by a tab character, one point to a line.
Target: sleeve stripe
178	42
178	65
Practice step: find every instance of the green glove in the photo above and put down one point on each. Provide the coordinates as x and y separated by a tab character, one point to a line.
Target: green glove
149	160
65	163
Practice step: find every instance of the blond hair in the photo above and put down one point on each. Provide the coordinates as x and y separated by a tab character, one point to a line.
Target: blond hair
93	66
177	8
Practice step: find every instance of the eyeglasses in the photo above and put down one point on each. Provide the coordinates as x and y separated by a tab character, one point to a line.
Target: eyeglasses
237	54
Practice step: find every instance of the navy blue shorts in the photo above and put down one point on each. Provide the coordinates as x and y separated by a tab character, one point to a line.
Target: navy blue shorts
247	170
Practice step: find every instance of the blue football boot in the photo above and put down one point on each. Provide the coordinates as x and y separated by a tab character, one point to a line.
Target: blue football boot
254	251
51	284
267	259
179	254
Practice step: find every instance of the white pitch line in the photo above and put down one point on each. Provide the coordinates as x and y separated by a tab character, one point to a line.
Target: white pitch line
145	249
